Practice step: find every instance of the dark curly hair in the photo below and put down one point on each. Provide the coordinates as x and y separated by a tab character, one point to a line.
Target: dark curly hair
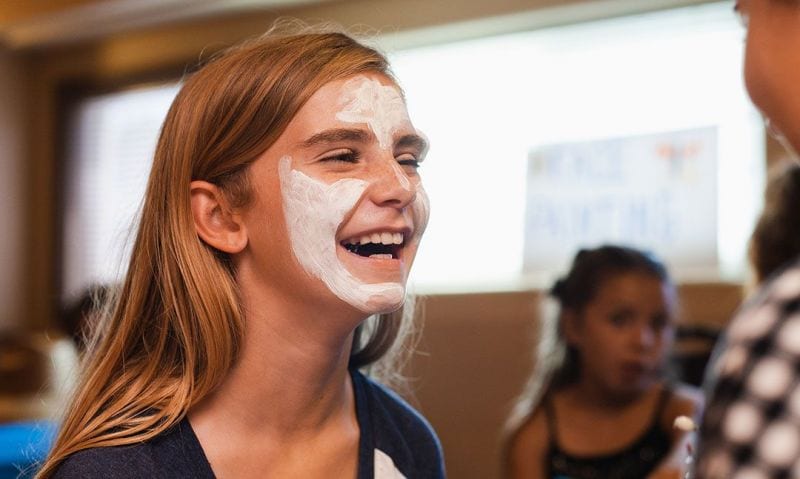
591	267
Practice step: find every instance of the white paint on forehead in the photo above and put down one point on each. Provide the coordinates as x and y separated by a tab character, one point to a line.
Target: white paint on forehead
380	106
314	211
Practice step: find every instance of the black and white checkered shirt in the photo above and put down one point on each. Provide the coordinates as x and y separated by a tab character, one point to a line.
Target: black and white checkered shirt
751	426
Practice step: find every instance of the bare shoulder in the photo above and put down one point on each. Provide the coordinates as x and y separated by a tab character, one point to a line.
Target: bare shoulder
527	447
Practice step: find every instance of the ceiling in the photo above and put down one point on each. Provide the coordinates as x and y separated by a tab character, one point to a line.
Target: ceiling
28	24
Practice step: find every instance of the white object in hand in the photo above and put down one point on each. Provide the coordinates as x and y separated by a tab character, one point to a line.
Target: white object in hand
684	423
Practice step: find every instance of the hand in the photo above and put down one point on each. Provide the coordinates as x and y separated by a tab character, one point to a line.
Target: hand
666	472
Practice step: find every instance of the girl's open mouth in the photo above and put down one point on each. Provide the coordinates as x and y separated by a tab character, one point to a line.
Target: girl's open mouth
383	245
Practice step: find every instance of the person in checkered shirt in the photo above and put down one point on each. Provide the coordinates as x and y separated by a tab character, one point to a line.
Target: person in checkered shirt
751	427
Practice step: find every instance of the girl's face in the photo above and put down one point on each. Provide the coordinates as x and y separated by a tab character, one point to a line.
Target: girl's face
624	333
772	65
339	202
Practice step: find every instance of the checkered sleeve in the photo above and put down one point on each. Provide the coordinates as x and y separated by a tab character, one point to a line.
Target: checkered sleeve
751	426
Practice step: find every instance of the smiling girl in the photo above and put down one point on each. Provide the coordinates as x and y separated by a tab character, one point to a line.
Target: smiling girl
597	405
283	210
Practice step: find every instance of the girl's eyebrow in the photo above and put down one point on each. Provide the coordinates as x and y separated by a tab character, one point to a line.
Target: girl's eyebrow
412	140
336	135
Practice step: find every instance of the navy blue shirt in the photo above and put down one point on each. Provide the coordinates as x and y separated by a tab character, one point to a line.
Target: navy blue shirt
395	442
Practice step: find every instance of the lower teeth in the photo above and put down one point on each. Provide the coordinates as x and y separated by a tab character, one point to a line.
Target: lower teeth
381	256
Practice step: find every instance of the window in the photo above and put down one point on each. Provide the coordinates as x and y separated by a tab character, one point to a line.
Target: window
112	141
489	104
491	107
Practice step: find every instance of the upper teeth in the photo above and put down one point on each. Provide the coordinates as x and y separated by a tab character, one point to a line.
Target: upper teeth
379	238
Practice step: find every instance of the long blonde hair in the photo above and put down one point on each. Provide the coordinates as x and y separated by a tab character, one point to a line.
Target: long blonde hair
176	326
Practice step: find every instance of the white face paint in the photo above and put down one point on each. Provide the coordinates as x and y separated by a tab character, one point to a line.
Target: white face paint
380	106
422	211
314	211
405	183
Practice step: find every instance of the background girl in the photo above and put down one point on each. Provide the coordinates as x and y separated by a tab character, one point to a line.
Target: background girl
597	405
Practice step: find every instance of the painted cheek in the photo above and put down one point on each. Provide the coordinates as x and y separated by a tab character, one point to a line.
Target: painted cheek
314	211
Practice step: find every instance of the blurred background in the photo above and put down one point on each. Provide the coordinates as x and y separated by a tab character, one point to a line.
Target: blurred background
554	124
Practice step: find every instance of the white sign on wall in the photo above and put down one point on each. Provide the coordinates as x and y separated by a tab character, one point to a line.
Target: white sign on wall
657	192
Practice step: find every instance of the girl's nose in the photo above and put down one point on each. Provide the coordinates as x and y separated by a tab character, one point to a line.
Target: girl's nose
392	186
645	337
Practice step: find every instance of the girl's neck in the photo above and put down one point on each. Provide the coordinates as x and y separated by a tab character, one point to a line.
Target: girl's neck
291	375
288	393
592	395
281	390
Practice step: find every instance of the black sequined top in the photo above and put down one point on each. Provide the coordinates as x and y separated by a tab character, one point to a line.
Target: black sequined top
635	461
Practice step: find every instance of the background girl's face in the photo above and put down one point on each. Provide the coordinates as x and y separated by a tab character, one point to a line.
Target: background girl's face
623	334
772	67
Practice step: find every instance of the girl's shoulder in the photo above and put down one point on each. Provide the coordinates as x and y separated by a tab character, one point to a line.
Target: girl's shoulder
530	437
533	433
174	453
527	445
116	461
384	408
391	426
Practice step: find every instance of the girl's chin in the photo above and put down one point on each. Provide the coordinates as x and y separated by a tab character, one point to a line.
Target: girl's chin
633	389
384	304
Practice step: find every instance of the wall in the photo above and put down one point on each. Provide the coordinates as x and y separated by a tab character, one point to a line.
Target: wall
12	160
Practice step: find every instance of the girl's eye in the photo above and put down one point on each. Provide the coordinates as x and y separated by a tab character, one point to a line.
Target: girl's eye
620	319
342	157
412	163
408	160
659	322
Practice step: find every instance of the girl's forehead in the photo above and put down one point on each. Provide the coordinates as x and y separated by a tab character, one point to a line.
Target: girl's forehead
370	87
368	106
631	284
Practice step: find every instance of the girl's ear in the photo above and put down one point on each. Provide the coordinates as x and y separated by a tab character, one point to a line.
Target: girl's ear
216	224
570	326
